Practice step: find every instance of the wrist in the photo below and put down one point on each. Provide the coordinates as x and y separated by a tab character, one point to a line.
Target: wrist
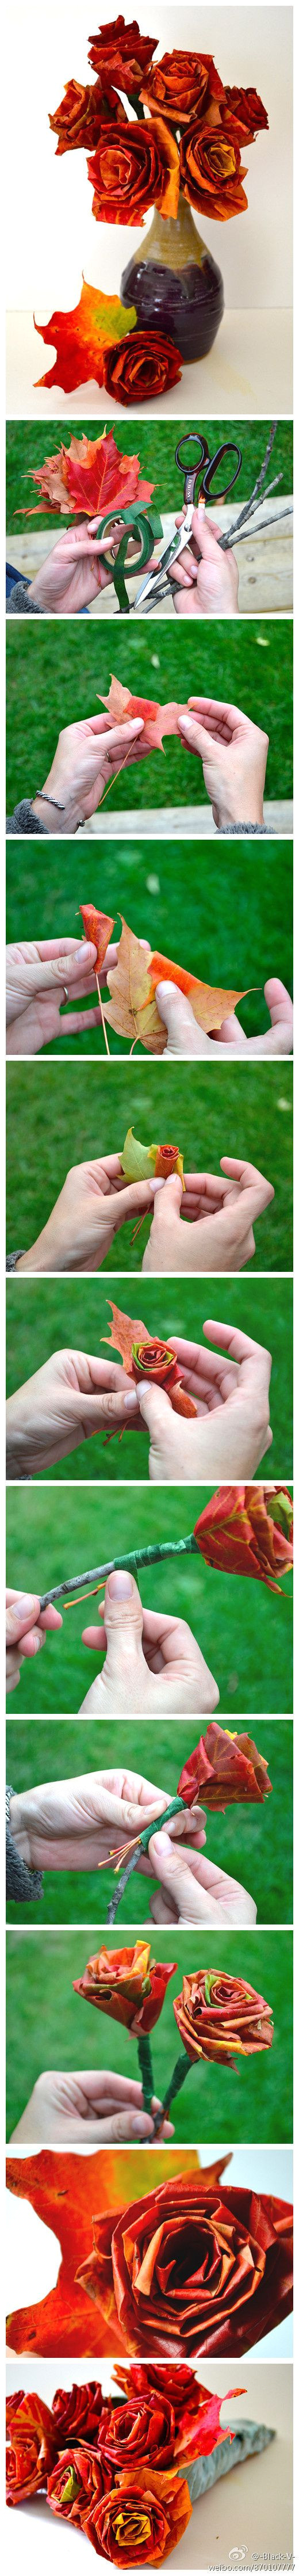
237	806
19	1826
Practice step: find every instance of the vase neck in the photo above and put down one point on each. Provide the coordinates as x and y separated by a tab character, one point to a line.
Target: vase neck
173	239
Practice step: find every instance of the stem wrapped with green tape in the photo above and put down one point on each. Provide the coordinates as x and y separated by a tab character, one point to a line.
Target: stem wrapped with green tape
146	2070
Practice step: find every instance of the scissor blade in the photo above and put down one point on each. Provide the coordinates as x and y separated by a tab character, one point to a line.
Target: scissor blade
169	555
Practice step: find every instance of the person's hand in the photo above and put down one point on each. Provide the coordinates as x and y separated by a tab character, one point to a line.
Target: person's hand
26	1626
94	1202
192	1890
234	758
229	1435
88	756
220	1235
207	577
40	977
68	1400
186	1038
153	1665
73	571
99	2110
74	1824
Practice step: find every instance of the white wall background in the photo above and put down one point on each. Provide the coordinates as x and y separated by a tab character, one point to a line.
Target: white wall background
250	2509
51	235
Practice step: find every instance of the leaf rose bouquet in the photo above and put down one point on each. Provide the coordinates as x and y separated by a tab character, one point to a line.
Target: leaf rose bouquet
164	133
125	2486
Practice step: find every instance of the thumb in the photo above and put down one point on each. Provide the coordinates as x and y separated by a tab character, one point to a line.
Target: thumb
127	2124
197	738
208	542
20	1615
176	1878
131	1202
62	969
185	1037
156	1411
167	1206
123	1620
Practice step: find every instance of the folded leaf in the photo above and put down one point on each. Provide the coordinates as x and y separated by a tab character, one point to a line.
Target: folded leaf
65	2189
81	337
131	1012
210	1003
157	720
123	1333
97	926
140	1160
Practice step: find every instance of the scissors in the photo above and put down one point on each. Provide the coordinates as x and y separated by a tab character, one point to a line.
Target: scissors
193	474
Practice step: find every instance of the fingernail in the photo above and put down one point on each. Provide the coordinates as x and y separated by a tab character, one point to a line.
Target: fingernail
185	721
144	1386
141	2124
164	1840
131	1398
157	1185
86	949
119	1585
21	1608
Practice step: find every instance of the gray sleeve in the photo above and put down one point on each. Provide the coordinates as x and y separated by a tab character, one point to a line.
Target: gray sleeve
20	603
23	1884
12	1258
260	831
23	819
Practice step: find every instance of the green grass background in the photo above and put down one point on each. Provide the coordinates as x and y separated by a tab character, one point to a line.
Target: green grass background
244	1630
57	674
28	442
253	1843
209	1110
223	911
47	2026
48	1316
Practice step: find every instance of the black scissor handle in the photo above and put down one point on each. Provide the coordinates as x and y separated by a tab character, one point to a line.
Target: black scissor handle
229	448
191	438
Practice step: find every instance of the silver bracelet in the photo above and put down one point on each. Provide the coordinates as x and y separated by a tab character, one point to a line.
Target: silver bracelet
47	800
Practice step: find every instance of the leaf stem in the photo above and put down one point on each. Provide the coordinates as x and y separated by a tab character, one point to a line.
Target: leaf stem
178	2077
96	1574
146	2069
141	1845
102	1016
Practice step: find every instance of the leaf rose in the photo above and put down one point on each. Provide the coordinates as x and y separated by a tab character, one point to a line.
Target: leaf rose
134	167
143	2517
141	367
181	85
194	2270
120	53
247	112
211	170
142	2430
248	1529
194	2410
127	1984
32	2447
226	1770
78	119
221	2018
75	2483
77	2412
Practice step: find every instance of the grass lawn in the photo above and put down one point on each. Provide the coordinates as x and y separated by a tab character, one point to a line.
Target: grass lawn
49	2026
253	1843
244	1630
51	1314
58	673
225	912
28	442
54	1121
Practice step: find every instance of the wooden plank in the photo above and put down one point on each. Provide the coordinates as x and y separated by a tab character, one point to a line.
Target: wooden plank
265	563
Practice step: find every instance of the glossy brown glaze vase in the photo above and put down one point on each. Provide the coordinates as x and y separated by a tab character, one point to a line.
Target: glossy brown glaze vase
175	284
